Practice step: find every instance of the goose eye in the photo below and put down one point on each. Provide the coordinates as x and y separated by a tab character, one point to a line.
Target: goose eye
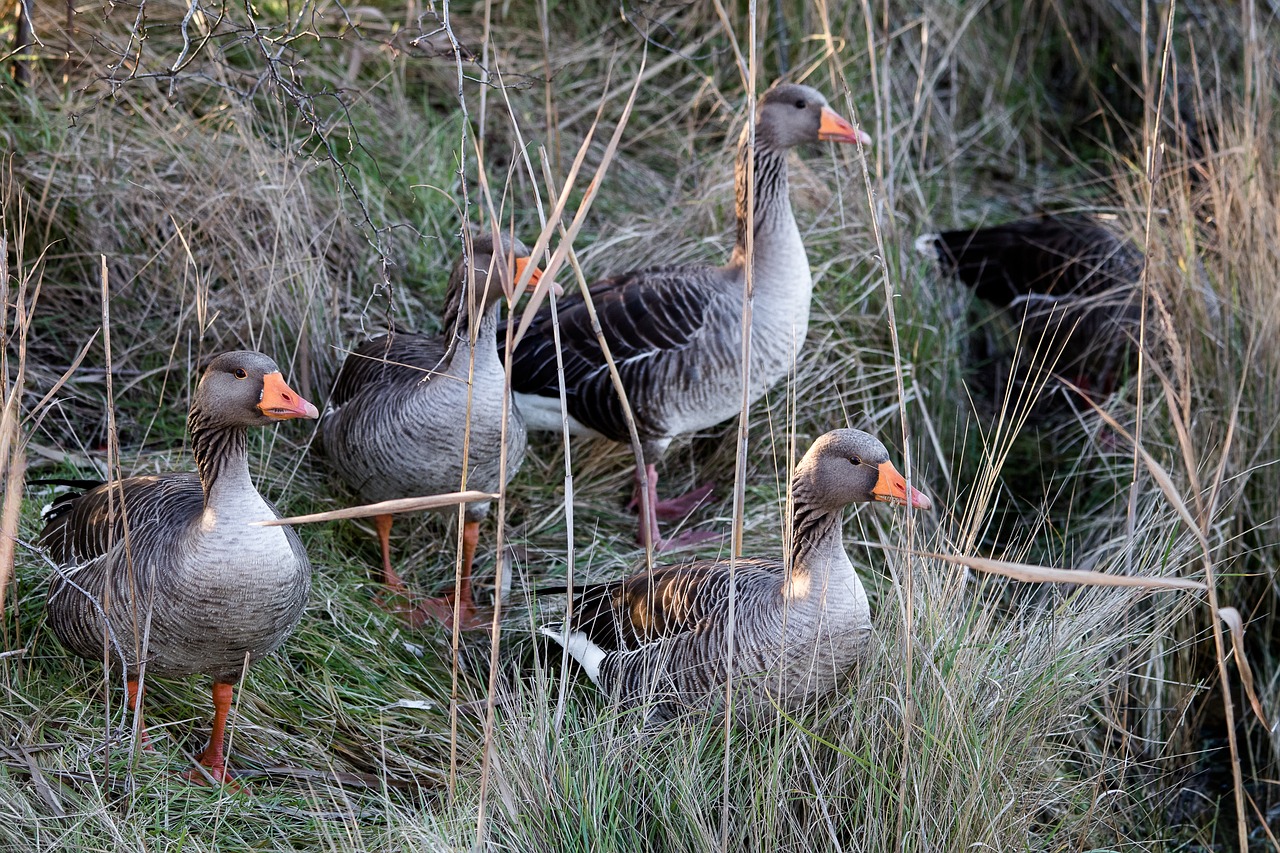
800	104
241	373
856	460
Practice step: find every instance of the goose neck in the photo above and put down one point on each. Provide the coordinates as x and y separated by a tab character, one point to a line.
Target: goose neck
817	545
222	457
485	343
772	203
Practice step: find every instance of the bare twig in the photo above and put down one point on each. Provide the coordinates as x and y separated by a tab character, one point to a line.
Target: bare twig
390	507
1044	574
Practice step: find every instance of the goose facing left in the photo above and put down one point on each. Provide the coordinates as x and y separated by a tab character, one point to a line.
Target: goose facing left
172	563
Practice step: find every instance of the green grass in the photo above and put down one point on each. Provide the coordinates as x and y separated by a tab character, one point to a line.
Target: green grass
299	212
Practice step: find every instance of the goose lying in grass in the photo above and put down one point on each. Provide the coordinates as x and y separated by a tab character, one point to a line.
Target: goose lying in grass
660	640
1069	282
675	333
170	562
406	405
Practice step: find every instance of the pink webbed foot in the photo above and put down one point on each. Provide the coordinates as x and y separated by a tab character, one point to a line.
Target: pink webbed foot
667	510
674	509
441	610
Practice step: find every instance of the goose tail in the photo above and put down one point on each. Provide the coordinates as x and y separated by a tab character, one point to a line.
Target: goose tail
579	647
927	245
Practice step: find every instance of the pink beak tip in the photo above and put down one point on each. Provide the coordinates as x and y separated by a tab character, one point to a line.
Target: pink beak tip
919	500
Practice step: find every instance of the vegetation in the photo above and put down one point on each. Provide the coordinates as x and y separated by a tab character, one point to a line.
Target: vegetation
293	176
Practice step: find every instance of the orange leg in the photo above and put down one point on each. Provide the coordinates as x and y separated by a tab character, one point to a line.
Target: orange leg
395	586
470	538
443	608
135	696
213	758
389	577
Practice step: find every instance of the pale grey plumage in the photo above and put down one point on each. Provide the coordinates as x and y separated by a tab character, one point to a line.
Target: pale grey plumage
398	419
676	333
191	579
659	639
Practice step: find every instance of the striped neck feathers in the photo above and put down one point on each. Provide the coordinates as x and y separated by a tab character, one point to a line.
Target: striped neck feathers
221	453
457	318
817	540
485	346
772	201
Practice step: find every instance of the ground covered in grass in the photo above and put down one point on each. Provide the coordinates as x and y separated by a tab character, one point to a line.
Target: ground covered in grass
294	177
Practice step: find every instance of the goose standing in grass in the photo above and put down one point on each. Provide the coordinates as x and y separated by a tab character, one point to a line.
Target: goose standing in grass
659	639
1071	281
408	408
165	573
675	333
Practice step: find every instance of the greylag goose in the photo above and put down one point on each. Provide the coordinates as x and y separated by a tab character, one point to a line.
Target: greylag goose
1071	281
166	572
675	333
407	408
658	639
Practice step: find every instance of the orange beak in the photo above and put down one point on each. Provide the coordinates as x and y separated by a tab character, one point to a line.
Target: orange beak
280	402
521	263
891	487
835	129
535	276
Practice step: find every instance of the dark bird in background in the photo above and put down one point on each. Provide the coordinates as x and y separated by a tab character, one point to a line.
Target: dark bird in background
1066	285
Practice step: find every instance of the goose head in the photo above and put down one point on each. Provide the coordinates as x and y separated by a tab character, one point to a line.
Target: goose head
848	466
494	272
246	389
508	260
792	114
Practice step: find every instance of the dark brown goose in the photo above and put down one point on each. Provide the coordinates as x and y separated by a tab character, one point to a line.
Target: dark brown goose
659	640
1069	283
675	333
404	405
186	584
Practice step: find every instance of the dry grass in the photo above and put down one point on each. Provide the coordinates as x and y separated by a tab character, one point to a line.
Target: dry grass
301	182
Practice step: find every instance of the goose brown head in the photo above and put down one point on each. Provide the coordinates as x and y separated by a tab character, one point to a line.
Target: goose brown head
848	466
245	388
484	260
792	114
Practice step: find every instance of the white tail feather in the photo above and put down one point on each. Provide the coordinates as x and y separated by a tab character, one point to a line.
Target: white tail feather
579	647
926	244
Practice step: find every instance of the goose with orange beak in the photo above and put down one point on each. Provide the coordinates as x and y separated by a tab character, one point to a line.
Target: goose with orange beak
409	409
179	553
675	333
658	640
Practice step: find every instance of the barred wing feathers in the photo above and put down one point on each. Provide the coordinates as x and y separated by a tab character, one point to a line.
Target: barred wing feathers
651	320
